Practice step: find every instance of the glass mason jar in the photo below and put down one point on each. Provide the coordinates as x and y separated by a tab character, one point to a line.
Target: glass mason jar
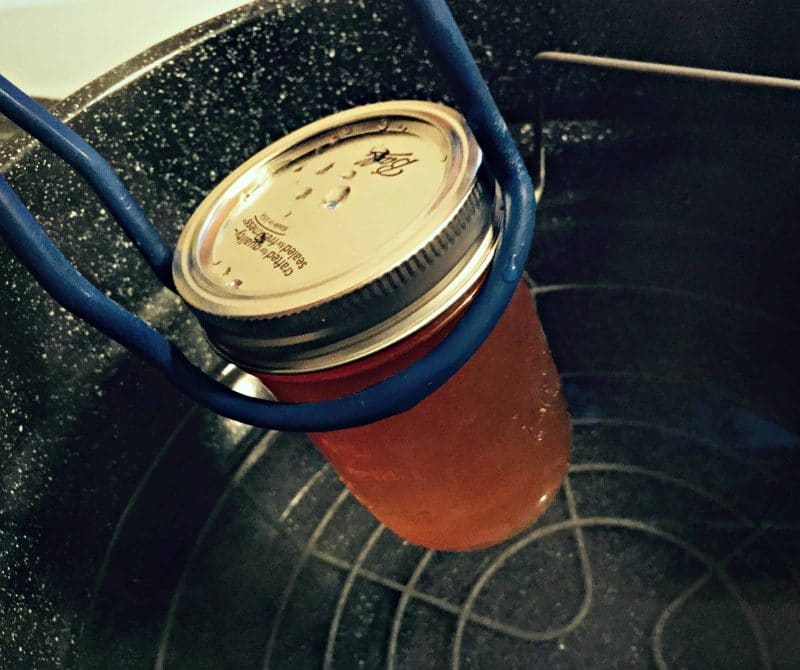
344	252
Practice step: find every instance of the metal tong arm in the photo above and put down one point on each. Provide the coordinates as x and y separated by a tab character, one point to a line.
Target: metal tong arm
87	161
396	394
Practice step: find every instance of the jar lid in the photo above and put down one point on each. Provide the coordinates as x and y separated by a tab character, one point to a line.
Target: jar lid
341	238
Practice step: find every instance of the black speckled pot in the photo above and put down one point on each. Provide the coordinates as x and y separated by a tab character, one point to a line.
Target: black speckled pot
137	530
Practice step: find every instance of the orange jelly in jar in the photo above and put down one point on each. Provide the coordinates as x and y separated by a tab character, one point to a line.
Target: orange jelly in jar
342	254
474	463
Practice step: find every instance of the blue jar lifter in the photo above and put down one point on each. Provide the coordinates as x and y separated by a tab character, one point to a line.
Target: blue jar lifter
398	393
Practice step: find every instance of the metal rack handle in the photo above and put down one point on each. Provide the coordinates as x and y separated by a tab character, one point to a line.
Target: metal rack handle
641	67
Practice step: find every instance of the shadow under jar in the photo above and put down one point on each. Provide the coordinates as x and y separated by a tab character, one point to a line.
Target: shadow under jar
343	253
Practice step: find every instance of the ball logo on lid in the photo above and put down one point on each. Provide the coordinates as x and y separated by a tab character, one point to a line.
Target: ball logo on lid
389	164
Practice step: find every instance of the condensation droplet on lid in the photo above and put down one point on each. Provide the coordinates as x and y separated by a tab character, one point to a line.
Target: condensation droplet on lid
348	175
323	170
234	283
335	197
303	194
